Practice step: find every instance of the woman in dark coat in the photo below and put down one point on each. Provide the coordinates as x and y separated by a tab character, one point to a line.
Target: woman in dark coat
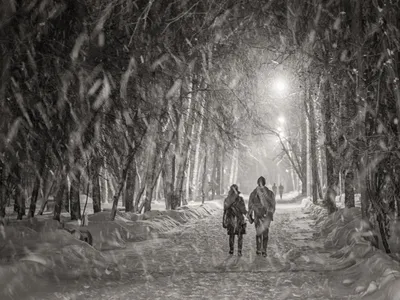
234	218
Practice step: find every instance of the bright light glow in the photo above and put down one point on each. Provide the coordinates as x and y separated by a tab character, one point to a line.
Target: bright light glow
279	129
281	119
280	85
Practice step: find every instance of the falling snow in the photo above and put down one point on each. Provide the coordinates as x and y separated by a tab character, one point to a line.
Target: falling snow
124	125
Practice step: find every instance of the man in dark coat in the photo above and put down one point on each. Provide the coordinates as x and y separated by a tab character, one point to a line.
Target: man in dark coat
262	205
281	190
234	218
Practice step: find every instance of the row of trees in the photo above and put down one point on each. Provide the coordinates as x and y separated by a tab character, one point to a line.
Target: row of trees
122	100
347	67
130	98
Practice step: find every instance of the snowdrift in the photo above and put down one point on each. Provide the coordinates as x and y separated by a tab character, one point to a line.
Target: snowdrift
30	255
132	227
32	251
370	272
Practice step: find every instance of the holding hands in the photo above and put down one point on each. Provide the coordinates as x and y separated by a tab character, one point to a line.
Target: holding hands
249	218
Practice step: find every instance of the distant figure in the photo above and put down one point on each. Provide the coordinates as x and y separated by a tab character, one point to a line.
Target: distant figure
262	205
274	189
280	190
234	218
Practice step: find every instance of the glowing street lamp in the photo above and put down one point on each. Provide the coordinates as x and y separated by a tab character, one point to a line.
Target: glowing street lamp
281	120
280	85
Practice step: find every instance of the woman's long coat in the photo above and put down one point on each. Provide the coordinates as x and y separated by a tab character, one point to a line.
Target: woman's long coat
234	212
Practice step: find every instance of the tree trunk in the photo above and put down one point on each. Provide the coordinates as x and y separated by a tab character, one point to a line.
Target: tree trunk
380	218
397	193
36	187
121	185
321	172
361	92
165	189
130	159
204	178
222	173
389	32
185	146
315	184
62	190
75	196
309	169
364	161
147	199
48	187
158	192
189	174
138	197
96	191
19	195
180	178
236	172
187	189
3	191
104	184
169	181
196	167
214	172
233	166
304	154
293	180
20	198
156	166
330	153
349	189
130	188
112	186
150	173
67	198
217	179
348	112
373	179
150	189
363	195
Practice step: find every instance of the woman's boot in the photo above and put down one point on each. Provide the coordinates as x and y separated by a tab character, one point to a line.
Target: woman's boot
258	244
265	242
240	244
231	243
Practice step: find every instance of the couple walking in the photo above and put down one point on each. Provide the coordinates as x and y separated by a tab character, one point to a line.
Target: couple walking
275	188
261	211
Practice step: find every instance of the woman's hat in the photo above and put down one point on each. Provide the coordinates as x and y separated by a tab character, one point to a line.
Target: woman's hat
235	188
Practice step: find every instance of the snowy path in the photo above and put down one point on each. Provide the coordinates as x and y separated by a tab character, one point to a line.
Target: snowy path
195	264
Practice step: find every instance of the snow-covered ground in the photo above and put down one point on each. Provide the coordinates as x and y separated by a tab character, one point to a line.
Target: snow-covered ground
38	255
366	271
194	263
185	256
